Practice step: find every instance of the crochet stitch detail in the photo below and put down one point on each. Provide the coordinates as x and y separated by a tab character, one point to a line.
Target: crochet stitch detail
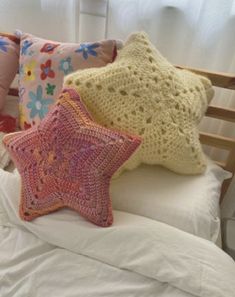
68	160
142	93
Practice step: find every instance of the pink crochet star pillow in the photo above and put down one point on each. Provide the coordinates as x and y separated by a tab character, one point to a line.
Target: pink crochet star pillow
68	161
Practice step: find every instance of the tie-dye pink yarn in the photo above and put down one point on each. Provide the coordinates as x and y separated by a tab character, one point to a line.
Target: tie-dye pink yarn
68	161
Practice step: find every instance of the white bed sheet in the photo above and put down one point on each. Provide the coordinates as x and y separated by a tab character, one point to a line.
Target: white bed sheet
30	267
62	254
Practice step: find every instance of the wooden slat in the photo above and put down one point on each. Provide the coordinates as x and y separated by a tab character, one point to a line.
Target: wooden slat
13	92
218	79
214	140
230	162
225	114
224	188
221	164
230	166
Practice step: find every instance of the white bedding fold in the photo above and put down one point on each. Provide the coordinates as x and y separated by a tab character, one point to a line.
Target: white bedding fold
146	247
31	267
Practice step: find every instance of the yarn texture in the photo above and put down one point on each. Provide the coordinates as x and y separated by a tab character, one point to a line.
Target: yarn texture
68	161
143	94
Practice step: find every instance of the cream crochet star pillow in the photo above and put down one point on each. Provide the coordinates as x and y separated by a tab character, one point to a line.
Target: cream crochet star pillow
142	93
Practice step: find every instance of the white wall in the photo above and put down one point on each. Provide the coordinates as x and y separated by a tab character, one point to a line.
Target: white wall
52	19
63	20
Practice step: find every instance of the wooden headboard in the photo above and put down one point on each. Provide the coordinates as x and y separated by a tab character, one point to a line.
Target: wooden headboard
222	80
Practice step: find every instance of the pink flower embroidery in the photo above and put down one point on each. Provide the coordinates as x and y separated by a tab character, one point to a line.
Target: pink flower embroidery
46	70
49	47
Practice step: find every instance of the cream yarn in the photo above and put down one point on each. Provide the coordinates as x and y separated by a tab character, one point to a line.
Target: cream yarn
142	93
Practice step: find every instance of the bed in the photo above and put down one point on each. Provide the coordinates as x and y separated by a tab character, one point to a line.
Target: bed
170	251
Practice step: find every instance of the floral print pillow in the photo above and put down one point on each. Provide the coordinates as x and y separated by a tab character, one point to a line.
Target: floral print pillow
9	63
43	65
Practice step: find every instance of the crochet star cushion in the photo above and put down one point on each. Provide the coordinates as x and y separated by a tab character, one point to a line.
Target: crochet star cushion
142	93
68	161
43	65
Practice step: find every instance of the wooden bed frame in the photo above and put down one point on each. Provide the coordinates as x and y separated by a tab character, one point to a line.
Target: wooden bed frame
227	81
222	80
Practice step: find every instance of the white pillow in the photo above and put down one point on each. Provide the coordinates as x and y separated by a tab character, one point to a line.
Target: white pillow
190	203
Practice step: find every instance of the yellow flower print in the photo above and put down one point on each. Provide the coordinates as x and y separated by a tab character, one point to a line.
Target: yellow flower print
29	71
22	117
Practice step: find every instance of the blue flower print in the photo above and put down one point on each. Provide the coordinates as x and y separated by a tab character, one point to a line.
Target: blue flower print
38	104
3	45
87	49
65	66
26	44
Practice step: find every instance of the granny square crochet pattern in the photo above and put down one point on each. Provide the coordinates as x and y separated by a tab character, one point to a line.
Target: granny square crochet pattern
142	93
68	161
43	65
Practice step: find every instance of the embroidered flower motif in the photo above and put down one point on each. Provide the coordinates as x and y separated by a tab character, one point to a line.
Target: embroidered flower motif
87	49
65	66
38	104
49	48
50	89
3	45
26	44
46	70
29	71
